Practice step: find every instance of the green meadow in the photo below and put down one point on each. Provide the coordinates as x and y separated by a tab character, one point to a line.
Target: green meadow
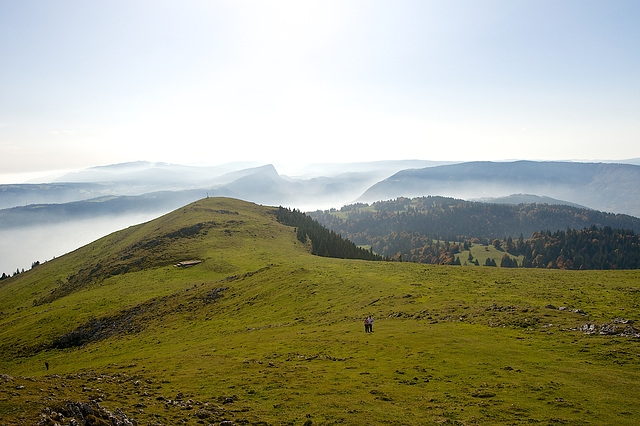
262	332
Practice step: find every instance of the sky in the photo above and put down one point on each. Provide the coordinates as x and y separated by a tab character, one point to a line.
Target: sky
87	83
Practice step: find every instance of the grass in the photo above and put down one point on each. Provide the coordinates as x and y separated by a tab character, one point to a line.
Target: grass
284	342
482	253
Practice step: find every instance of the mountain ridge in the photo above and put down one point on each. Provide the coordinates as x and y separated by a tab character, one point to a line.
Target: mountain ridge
526	199
600	186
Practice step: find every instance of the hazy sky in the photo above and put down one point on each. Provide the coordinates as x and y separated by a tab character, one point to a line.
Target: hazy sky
86	83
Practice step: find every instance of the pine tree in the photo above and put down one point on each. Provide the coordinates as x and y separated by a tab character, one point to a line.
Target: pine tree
490	262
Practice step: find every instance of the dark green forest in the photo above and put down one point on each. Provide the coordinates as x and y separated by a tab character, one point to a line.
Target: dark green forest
323	241
436	229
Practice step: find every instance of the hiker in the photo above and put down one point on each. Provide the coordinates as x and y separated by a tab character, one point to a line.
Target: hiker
366	325
46	364
370	320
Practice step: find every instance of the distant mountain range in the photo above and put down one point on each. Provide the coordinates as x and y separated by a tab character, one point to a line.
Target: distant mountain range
610	187
144	190
607	187
341	184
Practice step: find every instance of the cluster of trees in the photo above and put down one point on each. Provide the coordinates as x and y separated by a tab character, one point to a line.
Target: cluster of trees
507	262
418	248
323	241
4	275
589	248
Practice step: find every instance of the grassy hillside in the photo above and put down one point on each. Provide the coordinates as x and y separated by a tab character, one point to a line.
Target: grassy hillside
262	332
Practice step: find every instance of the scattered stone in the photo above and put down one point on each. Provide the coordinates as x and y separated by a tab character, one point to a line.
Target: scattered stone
589	328
564	308
203	414
618	327
83	413
214	294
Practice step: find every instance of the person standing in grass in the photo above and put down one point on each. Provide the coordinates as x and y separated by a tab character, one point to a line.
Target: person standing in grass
370	324
366	325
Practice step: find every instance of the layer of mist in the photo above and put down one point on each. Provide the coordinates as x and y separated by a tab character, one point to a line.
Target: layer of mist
22	246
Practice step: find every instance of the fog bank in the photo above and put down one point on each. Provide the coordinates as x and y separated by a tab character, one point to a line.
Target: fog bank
22	246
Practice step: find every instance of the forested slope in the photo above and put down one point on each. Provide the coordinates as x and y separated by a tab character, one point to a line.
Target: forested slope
438	229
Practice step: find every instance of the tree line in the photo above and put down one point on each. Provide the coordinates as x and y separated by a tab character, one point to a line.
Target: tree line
4	275
324	242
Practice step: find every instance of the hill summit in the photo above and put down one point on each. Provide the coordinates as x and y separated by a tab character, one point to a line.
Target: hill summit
218	313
